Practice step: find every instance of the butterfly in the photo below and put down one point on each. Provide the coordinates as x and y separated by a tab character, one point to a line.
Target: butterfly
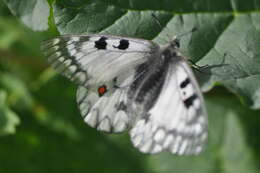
134	84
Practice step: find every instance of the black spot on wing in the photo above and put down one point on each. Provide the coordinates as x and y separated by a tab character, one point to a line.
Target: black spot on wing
123	44
185	83
189	101
101	43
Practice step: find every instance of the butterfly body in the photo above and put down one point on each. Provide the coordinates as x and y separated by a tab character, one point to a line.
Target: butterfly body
127	83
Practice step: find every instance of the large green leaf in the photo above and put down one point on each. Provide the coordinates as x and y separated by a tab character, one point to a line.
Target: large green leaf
52	136
226	41
33	13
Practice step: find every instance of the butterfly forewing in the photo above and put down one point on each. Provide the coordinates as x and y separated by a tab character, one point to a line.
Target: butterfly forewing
91	59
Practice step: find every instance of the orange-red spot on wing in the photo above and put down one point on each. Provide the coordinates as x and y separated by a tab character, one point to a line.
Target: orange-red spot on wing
102	90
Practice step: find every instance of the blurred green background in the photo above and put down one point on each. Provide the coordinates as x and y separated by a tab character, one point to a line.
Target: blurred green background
41	129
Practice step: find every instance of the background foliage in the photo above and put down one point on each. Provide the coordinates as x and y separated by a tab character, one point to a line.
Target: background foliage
40	127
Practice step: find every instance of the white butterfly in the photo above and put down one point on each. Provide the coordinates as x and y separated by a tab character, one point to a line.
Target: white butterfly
134	83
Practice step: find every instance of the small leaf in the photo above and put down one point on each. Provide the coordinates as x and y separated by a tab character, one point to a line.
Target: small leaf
33	13
19	93
8	119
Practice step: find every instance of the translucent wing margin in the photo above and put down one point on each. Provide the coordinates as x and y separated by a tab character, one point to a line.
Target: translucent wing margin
106	113
177	121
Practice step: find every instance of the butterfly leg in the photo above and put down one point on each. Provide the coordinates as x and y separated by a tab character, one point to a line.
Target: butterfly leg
194	65
206	69
198	68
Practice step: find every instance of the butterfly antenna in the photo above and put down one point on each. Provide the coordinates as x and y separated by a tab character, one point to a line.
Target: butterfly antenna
186	33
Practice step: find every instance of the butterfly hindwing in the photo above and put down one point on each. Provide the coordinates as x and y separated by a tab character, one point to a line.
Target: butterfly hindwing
104	111
105	106
176	120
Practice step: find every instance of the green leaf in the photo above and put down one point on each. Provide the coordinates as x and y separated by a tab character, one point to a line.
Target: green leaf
226	41
19	94
241	74
8	119
33	13
91	14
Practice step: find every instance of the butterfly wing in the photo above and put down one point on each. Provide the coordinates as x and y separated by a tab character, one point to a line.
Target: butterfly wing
176	120
105	108
102	65
107	113
91	59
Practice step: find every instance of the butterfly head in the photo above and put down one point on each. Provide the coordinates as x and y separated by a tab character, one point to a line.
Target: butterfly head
172	49
175	43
